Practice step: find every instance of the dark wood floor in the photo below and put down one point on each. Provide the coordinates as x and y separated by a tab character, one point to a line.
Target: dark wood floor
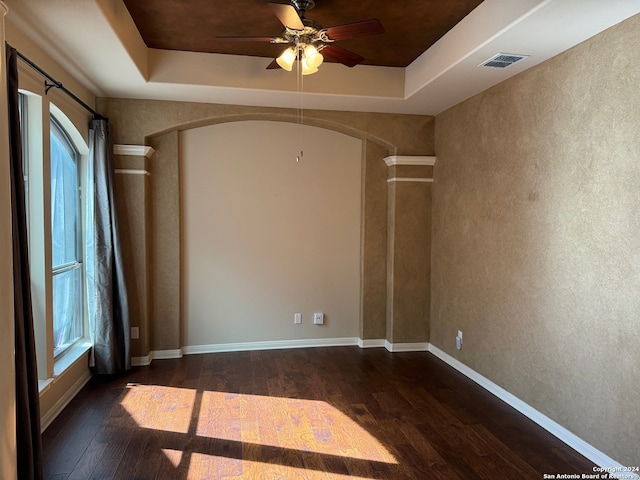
313	413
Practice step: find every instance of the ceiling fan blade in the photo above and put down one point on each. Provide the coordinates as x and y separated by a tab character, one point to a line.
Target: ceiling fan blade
287	15
357	29
273	65
341	55
248	39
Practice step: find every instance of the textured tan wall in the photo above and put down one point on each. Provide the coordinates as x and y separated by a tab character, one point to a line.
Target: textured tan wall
410	171
165	331
536	238
373	259
132	121
132	189
409	246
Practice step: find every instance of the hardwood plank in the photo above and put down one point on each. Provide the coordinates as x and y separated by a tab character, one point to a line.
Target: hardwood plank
137	445
58	476
116	441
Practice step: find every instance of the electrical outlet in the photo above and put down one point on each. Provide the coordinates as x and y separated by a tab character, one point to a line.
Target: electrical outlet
135	333
459	340
318	318
297	318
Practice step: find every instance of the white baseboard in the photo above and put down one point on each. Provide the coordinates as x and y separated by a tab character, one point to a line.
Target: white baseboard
278	344
609	465
371	343
165	354
270	345
142	361
245	347
155	354
49	416
406	347
393	347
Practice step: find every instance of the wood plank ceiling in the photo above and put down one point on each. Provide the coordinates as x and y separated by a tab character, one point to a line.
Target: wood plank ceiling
411	26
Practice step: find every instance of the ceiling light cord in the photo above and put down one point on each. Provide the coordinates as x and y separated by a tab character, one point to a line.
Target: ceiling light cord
300	109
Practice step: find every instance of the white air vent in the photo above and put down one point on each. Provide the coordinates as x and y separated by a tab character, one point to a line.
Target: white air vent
503	60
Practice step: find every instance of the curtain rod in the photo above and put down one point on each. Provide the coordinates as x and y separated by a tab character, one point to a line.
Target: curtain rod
56	84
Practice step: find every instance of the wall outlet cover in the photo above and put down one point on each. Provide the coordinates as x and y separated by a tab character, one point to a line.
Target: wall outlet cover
318	318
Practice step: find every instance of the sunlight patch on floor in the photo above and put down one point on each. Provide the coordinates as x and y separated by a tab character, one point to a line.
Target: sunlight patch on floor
267	428
295	424
174	456
160	408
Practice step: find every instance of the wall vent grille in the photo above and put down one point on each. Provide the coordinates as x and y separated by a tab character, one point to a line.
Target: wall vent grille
503	60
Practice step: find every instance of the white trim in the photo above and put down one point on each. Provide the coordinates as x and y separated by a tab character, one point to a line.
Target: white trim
64	400
409	179
71	357
165	354
557	430
134	150
132	171
371	343
270	345
406	347
156	354
248	346
43	385
405	160
141	361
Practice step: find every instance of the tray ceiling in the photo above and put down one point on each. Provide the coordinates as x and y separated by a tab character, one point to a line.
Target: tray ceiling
411	26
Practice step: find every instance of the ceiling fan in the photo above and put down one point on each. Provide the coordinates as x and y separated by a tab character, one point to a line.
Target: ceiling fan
311	42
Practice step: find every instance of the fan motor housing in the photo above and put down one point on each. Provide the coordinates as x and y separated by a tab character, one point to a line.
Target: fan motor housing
312	32
303	6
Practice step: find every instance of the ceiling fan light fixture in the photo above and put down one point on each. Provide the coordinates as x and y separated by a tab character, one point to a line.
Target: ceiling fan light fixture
307	69
313	56
286	59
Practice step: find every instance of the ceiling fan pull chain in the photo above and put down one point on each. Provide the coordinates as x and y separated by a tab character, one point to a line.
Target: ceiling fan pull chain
299	106
301	127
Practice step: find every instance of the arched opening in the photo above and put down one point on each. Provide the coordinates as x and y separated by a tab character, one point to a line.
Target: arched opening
266	237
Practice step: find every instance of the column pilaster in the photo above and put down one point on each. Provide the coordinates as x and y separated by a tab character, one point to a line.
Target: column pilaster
133	206
408	250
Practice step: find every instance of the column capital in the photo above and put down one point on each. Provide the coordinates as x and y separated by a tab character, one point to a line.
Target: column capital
133	150
409	160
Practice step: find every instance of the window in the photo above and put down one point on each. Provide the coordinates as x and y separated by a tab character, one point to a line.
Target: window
66	251
54	157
